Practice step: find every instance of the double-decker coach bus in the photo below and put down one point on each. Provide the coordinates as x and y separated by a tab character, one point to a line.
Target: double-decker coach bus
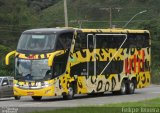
68	61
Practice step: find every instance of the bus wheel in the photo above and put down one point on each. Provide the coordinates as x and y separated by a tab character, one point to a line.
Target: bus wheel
123	88
130	87
17	97
37	98
70	94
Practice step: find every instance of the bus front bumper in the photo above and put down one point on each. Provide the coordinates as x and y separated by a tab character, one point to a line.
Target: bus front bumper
47	91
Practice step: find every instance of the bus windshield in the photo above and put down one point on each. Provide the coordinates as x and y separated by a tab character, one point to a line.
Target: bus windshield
36	42
32	69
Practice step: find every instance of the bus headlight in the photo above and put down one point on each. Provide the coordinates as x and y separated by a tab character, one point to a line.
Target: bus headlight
45	84
38	84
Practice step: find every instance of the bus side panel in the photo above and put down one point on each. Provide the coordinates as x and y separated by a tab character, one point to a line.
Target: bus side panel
98	84
136	63
94	83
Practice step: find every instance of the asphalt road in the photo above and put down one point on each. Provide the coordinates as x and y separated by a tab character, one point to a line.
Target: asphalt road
26	104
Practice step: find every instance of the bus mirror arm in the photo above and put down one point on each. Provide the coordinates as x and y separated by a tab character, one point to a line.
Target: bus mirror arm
8	57
51	58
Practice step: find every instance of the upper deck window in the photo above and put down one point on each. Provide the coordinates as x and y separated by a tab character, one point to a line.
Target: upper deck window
36	42
64	41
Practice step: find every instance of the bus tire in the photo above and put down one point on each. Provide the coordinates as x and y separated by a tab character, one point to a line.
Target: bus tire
70	94
36	98
130	87
123	88
17	97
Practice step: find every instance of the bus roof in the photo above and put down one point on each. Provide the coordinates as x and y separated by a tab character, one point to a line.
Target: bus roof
115	30
49	30
60	30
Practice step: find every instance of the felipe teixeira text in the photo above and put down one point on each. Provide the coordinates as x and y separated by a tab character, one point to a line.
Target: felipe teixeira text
140	110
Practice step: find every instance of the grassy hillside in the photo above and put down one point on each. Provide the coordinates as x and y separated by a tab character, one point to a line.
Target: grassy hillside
122	11
19	15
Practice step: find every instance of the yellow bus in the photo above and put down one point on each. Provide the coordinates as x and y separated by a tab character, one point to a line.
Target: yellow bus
69	61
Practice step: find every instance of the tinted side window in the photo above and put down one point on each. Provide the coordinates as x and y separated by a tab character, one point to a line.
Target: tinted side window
109	41
137	41
81	42
115	67
64	41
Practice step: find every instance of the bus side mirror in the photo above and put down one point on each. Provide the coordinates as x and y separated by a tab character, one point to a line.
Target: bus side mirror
8	57
53	55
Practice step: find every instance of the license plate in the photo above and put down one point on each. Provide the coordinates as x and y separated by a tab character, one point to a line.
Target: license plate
30	93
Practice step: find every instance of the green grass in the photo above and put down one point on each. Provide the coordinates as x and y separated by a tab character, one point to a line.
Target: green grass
146	103
153	104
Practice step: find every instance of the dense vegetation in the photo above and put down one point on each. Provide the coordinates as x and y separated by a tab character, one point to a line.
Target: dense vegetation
19	15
